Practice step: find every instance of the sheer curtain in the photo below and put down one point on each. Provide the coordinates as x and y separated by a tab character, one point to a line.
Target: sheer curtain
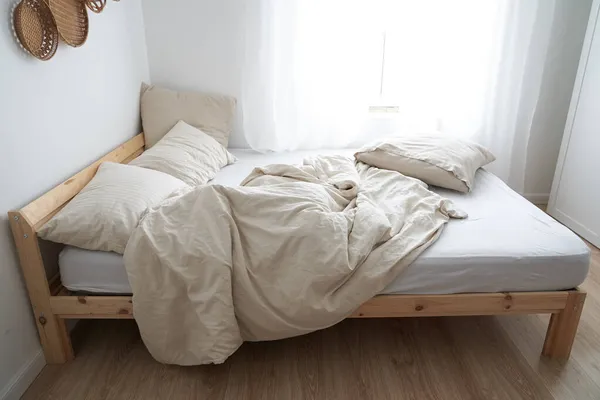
314	69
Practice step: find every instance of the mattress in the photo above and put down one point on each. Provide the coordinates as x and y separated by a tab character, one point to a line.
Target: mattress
506	244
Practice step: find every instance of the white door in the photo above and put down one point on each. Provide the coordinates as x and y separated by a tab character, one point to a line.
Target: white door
575	197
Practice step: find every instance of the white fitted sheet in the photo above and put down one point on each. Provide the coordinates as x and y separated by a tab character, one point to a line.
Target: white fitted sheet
506	244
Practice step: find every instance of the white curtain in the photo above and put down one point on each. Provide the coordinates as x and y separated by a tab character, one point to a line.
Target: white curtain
314	69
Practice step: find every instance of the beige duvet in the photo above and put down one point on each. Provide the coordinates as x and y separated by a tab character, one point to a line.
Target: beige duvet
292	250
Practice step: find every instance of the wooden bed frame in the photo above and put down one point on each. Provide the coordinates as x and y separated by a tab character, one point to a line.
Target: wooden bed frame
52	303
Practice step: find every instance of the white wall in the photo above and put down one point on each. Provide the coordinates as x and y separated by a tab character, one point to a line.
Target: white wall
55	118
199	44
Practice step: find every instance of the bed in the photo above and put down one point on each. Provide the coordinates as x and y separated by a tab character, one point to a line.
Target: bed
536	269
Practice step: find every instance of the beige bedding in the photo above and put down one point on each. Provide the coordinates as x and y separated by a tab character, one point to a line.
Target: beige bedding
293	250
438	160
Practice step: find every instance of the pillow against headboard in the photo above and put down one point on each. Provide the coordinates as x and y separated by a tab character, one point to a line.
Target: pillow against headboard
103	215
162	108
186	153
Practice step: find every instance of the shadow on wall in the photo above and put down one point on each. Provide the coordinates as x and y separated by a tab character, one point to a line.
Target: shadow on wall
549	120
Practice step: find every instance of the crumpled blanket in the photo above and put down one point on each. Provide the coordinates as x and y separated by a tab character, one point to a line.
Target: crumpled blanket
292	250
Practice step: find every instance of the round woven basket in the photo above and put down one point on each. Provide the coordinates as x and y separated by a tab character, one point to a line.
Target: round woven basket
71	20
95	5
35	28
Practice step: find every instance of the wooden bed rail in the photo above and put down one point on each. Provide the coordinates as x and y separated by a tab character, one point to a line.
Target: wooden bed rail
384	306
565	307
39	211
92	306
411	305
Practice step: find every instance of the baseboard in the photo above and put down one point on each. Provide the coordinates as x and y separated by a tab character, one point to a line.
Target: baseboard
537	198
22	379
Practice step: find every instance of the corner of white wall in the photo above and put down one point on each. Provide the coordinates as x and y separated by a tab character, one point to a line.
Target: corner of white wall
23	378
537	198
145	41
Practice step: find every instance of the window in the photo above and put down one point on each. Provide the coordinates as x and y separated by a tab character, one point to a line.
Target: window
434	57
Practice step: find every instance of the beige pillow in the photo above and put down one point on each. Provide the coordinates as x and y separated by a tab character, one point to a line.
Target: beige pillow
107	210
186	153
162	108
442	161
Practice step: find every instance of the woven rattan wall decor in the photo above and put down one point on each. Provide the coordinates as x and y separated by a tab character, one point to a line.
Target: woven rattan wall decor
95	5
38	24
71	20
35	29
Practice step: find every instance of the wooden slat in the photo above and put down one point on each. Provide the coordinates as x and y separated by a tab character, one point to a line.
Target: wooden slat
53	333
55	284
39	209
387	306
92	306
62	292
96	316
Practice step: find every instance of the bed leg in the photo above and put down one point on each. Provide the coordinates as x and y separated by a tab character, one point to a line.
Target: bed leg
54	336
563	327
55	339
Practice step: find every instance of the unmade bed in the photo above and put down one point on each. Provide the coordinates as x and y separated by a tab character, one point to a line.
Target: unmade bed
506	244
507	258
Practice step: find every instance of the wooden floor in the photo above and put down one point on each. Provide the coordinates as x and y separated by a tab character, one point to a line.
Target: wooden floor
417	358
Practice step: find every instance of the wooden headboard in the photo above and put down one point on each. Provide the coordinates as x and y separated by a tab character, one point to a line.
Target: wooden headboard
39	211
